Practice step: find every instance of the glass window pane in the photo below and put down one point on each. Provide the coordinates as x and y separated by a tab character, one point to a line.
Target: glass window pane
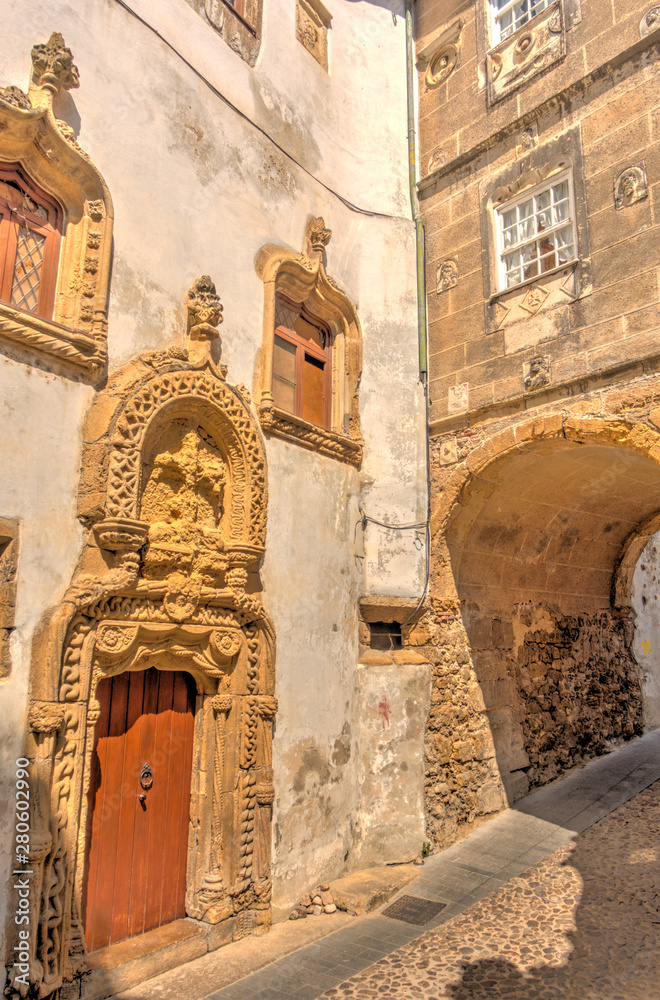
284	395
284	359
285	315
313	390
310	332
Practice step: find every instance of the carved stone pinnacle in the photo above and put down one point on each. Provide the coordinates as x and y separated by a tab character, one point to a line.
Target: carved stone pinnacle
204	317
53	68
204	306
317	237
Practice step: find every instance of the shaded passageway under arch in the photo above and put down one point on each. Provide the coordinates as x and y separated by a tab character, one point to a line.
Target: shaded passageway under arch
542	543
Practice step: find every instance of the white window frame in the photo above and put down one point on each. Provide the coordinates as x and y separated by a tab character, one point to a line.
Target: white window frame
498	34
527	195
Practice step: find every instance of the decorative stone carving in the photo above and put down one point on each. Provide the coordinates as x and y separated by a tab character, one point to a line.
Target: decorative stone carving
447	275
458	398
204	317
521	57
534	298
45	717
630	186
9	538
436	160
49	154
183	506
441	55
528	140
555	23
650	22
536	374
442	65
312	23
52	66
317	238
302	278
15	97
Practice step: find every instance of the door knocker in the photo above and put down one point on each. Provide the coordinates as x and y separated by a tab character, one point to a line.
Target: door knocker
146	777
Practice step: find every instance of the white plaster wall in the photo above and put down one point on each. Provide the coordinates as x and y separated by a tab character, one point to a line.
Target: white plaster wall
198	188
645	598
40	417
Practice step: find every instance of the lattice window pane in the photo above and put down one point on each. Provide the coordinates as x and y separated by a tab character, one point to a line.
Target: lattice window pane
285	316
27	270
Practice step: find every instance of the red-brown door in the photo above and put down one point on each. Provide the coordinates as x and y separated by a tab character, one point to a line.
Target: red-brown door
139	797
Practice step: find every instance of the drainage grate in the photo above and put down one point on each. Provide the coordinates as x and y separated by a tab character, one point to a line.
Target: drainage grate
413	910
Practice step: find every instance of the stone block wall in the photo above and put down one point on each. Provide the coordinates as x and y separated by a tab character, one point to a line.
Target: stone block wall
594	108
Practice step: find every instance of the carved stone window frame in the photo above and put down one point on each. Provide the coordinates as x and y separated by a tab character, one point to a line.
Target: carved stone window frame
303	278
240	30
563	154
492	51
50	156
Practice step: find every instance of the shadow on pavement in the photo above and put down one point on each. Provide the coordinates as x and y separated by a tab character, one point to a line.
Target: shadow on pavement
613	948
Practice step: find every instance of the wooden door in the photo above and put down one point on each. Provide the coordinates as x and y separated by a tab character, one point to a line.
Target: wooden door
139	804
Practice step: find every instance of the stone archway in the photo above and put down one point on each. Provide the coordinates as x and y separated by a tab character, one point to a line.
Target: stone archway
174	489
536	534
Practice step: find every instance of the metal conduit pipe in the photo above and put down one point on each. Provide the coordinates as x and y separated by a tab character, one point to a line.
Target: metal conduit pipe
421	290
414	203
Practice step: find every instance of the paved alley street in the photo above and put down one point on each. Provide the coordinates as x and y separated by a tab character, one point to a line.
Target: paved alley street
557	898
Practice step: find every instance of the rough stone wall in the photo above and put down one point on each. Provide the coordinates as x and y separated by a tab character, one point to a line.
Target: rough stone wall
508	715
462	777
579	690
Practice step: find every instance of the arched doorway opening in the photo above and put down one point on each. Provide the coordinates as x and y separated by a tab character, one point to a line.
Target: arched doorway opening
538	544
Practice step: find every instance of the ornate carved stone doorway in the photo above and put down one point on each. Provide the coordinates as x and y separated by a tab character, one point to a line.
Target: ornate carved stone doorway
173	486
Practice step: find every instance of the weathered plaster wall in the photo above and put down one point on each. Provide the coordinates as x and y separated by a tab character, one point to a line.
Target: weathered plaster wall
199	187
646	603
393	706
40	415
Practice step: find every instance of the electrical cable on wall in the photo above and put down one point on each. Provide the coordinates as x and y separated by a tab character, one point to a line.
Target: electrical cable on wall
241	114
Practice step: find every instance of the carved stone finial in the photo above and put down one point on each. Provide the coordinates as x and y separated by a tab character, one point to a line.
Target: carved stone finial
204	306
317	238
53	68
204	317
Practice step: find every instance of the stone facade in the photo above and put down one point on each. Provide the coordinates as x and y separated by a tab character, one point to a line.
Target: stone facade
543	376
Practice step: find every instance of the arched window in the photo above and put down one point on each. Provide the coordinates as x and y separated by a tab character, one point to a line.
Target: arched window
308	371
30	231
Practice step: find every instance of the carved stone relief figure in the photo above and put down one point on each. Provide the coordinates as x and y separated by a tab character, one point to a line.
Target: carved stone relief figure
536	374
447	276
650	22
630	186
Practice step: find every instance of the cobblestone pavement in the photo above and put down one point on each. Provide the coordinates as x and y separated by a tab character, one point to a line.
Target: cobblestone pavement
584	924
524	918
